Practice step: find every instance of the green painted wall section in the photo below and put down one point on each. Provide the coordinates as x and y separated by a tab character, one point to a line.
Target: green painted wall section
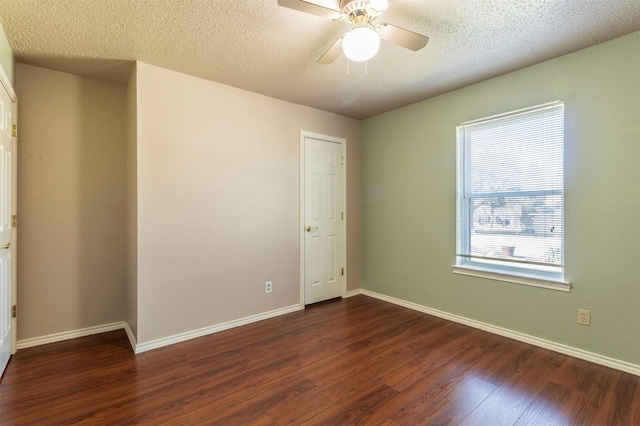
6	57
409	181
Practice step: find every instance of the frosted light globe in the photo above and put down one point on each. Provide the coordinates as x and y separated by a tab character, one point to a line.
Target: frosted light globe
361	44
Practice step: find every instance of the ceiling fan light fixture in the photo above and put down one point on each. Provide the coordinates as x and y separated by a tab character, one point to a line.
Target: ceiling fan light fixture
361	44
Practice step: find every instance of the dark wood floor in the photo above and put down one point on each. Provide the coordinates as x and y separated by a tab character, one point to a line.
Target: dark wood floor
353	361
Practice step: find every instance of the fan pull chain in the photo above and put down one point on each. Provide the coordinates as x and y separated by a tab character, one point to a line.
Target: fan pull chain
366	67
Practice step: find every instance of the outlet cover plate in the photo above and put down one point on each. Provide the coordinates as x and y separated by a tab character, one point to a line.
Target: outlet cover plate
584	317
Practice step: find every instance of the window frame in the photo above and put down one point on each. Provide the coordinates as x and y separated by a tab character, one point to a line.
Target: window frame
495	268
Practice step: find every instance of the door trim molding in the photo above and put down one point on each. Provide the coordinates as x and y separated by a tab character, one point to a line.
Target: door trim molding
4	79
343	142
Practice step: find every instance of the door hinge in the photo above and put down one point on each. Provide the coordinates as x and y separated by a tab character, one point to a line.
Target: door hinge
343	272
14	130
14	311
342	159
14	220
342	215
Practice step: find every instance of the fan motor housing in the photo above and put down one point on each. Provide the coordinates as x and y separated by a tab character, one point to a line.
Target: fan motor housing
348	6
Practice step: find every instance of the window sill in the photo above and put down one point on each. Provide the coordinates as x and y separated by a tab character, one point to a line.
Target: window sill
516	279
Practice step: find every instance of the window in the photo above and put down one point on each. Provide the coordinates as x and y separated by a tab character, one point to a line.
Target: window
510	197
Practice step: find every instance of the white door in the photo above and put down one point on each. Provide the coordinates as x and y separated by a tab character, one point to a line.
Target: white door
323	219
6	163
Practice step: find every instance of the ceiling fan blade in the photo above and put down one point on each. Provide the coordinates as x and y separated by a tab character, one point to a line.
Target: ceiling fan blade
331	54
310	8
402	37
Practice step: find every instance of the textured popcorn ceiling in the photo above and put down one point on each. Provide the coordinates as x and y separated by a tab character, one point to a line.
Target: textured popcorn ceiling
258	46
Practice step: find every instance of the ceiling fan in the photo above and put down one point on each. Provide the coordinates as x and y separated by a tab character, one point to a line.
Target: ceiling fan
363	41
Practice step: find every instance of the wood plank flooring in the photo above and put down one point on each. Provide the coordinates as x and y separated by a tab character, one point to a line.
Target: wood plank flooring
358	361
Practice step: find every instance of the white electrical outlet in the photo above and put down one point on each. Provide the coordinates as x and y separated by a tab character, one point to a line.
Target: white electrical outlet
584	317
268	287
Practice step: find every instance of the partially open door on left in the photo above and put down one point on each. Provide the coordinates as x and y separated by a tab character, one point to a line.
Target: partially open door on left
8	137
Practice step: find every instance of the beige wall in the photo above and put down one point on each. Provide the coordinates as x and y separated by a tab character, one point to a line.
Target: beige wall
184	235
70	202
218	201
409	185
131	206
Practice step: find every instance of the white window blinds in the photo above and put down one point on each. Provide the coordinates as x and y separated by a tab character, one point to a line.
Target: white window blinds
510	190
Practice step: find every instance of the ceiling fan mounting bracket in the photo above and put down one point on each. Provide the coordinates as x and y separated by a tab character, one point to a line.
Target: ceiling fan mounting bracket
358	12
348	6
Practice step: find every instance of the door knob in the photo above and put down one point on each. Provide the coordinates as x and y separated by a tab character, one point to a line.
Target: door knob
309	228
6	246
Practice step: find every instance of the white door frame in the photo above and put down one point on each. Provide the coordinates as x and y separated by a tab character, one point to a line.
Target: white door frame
4	80
301	232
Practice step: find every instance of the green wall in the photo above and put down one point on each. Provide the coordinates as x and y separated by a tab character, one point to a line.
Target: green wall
409	171
6	57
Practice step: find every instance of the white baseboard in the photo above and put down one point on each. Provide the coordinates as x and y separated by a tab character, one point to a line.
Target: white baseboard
154	344
606	361
353	293
66	335
177	338
132	338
